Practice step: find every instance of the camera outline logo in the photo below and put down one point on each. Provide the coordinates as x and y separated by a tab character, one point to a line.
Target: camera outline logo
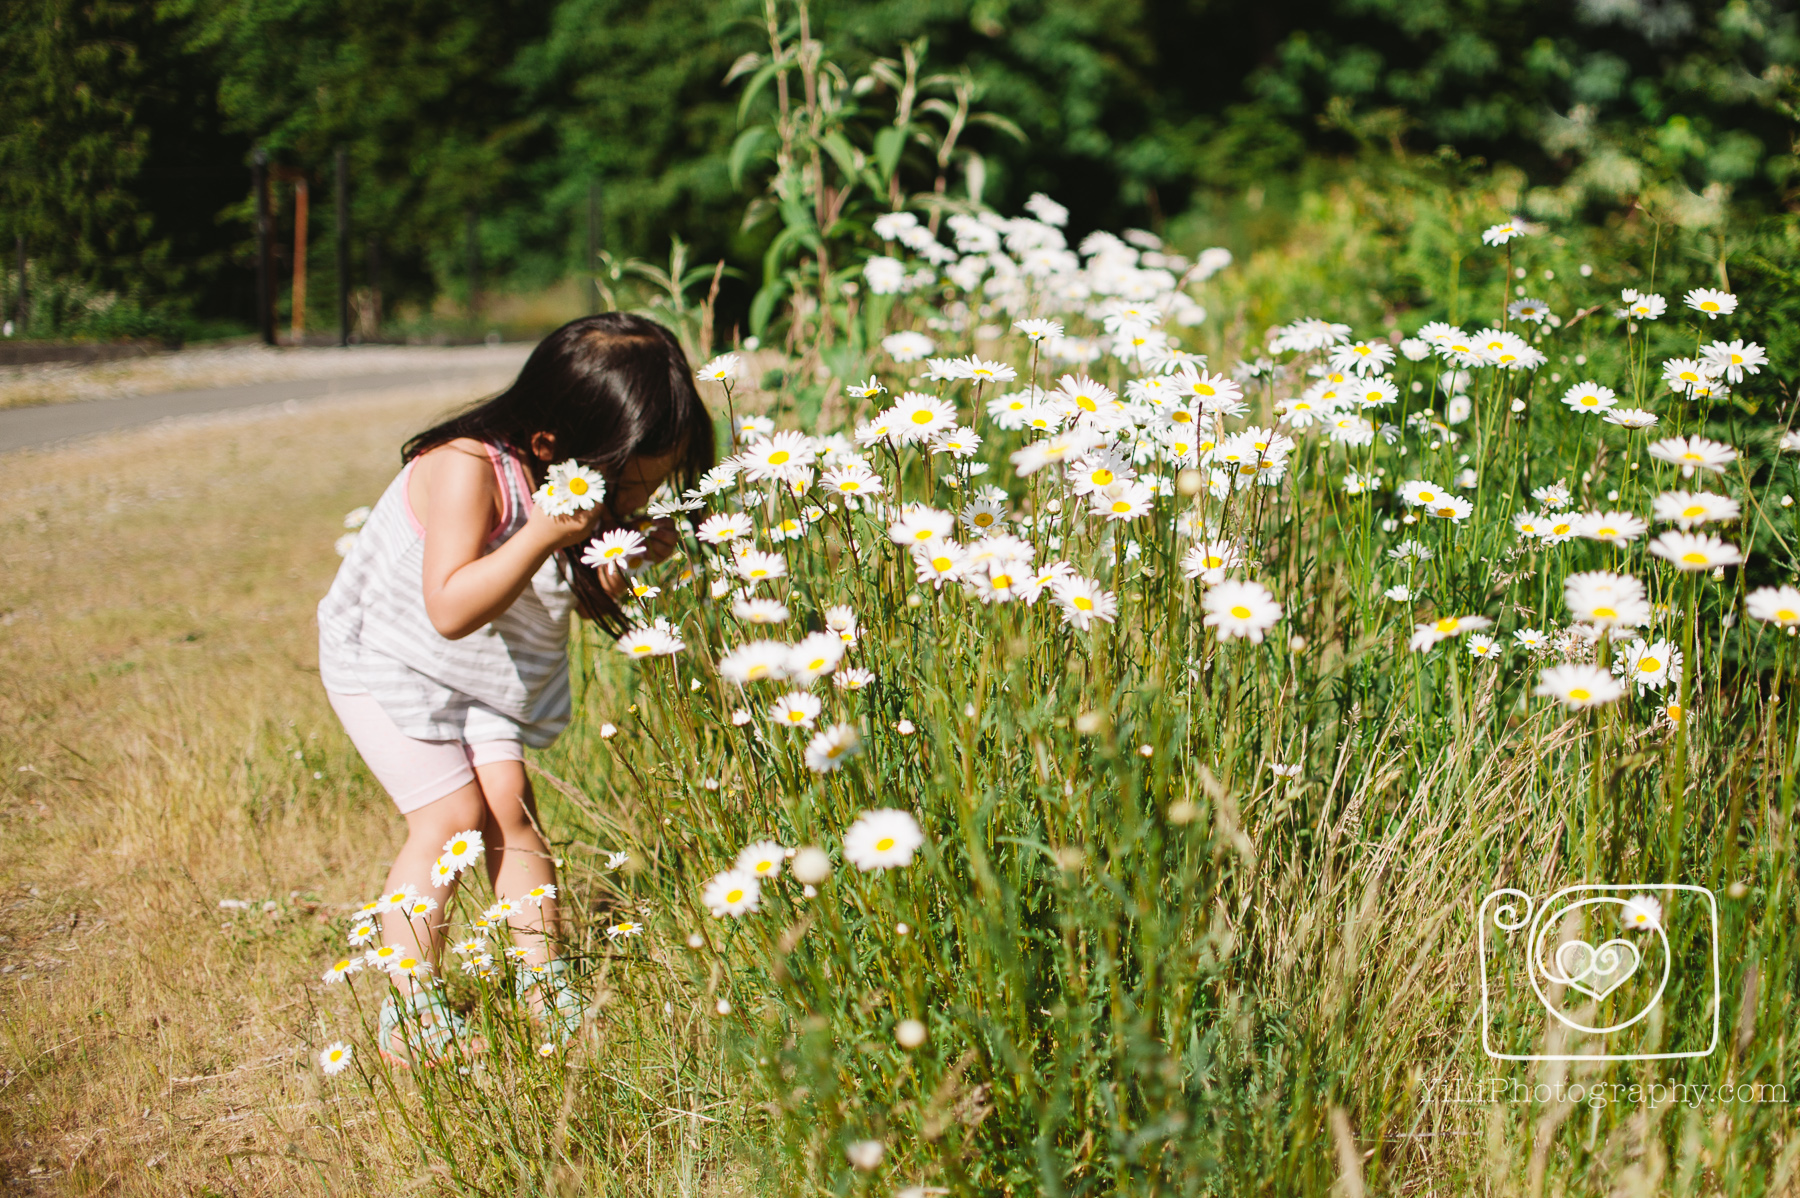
1593	970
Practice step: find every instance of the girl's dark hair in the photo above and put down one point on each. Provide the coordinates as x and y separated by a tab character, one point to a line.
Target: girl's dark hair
609	388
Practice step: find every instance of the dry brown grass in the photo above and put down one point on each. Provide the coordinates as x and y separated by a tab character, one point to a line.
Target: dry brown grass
167	746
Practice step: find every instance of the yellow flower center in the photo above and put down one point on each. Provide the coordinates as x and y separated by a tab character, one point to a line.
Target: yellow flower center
1241	612
797	716
459	847
1103	477
884	844
1002	582
1709	305
983	519
1120	506
1648	665
817	663
1693	559
1086	404
1787	615
1580	694
1447	625
758	670
763	867
1426	497
1083	603
1446	512
922	416
1560	529
940	564
779	457
1212	562
1605	613
1693	512
1204	389
734	896
849	484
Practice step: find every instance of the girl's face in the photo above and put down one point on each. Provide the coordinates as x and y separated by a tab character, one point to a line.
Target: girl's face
637	482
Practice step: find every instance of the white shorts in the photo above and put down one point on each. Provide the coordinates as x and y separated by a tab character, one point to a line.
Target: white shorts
414	772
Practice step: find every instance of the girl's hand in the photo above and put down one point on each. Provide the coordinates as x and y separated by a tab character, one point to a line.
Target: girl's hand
661	539
559	532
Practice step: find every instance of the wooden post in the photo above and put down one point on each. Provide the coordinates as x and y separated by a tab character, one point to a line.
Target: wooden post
297	325
343	245
265	275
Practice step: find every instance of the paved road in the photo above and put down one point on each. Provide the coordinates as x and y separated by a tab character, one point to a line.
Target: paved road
31	428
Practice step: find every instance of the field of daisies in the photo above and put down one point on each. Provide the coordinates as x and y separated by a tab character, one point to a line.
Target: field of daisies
1074	763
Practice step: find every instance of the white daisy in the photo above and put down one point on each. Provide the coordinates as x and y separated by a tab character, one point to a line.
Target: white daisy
733	892
1578	686
797	709
883	839
830	749
1240	609
761	859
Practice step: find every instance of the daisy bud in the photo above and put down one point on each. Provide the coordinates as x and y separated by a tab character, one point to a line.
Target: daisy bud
811	865
909	1033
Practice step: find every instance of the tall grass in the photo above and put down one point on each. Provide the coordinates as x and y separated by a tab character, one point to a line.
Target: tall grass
1145	961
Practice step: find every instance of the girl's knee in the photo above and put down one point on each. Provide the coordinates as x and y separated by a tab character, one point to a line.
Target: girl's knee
457	811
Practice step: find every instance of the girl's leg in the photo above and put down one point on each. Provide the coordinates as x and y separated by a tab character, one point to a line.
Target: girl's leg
427	829
517	857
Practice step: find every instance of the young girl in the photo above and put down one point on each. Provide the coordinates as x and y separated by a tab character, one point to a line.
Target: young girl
443	643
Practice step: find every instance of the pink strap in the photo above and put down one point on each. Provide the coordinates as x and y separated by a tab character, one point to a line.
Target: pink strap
412	517
498	458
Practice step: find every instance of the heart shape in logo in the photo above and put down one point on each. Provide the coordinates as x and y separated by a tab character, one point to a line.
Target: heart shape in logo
1596	972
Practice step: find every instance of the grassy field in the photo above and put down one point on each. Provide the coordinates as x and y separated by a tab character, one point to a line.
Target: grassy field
167	747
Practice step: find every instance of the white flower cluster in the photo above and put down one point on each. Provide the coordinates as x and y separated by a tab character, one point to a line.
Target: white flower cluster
569	487
883	839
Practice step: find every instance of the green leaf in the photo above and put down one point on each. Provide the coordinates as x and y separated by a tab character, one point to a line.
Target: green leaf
842	152
996	121
754	88
762	308
755	142
888	145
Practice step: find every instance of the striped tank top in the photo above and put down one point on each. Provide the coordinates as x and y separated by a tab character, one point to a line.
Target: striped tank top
508	679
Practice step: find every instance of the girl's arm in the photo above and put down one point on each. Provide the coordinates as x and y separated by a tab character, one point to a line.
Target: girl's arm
463	589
